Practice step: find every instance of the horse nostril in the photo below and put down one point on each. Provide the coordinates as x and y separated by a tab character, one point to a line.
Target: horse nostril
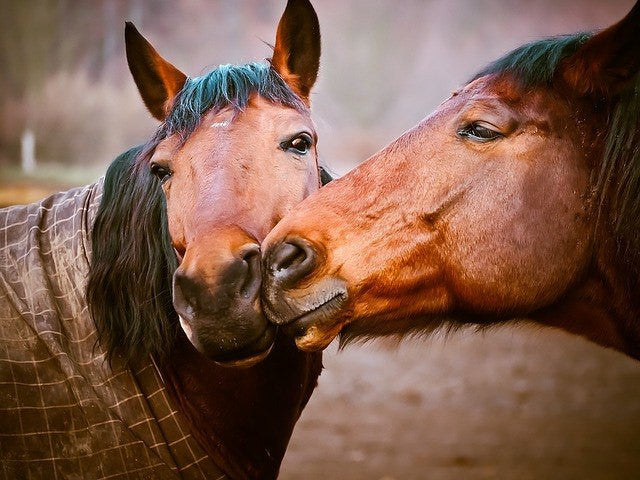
288	255
251	284
292	260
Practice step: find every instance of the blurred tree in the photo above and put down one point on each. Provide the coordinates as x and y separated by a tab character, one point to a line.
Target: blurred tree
39	38
385	63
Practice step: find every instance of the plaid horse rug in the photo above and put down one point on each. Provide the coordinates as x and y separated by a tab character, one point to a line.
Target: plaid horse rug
64	412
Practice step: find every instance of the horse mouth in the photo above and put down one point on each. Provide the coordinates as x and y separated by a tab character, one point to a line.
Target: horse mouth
244	361
315	328
250	354
245	355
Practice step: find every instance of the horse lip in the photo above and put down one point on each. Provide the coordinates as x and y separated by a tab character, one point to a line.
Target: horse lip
246	361
318	315
247	356
185	323
283	307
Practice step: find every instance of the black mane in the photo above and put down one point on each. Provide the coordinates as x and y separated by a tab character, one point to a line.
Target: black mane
536	63
129	289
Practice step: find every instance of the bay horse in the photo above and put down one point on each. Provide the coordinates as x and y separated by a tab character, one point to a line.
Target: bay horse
97	379
518	198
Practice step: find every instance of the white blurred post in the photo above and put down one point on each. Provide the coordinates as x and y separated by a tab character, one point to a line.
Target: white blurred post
28	151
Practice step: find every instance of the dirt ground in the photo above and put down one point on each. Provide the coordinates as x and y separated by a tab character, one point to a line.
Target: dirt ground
514	403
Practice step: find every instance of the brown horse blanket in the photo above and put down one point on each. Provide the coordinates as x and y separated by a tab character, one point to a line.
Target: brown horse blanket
64	412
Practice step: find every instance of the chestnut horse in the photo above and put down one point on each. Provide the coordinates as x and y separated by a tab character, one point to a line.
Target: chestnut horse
518	198
174	240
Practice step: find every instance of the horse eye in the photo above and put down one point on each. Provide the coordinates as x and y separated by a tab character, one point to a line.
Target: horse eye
162	173
479	133
299	145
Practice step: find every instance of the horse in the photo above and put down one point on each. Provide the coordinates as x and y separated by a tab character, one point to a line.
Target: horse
517	199
124	304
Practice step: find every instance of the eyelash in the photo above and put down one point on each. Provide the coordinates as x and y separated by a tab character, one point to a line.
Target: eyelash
479	133
289	145
161	173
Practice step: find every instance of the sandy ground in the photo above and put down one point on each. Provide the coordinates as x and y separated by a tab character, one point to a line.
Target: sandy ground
514	403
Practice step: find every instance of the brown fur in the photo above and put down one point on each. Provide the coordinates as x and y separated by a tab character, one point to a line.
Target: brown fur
298	66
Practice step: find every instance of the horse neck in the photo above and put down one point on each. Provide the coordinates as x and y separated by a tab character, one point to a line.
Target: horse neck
243	418
621	276
604	306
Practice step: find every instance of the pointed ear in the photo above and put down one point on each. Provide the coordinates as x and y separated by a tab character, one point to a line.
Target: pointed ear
296	55
158	81
606	62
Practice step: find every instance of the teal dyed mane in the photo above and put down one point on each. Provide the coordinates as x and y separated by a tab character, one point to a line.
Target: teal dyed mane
616	177
227	85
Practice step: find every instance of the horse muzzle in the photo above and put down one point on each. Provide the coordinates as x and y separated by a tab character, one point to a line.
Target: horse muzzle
306	307
219	307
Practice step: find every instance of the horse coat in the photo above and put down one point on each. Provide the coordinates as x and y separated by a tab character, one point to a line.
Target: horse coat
64	412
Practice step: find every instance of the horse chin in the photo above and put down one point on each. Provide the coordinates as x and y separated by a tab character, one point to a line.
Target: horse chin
317	338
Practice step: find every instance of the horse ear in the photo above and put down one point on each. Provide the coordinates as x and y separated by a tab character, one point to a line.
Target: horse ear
158	81
607	61
296	55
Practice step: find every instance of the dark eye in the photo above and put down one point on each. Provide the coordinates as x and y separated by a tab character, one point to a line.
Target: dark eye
479	132
300	144
162	173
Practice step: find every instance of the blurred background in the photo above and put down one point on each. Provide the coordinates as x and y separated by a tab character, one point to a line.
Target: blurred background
507	404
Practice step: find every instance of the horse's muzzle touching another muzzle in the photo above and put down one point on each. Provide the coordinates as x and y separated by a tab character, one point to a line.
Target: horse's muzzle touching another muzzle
219	308
294	295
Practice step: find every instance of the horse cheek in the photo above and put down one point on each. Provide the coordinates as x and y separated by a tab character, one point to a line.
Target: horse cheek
175	224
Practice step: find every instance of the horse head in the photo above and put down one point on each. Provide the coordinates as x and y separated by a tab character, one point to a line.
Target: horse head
235	152
516	198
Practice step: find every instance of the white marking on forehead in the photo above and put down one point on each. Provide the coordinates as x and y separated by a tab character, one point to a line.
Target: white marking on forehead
220	124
